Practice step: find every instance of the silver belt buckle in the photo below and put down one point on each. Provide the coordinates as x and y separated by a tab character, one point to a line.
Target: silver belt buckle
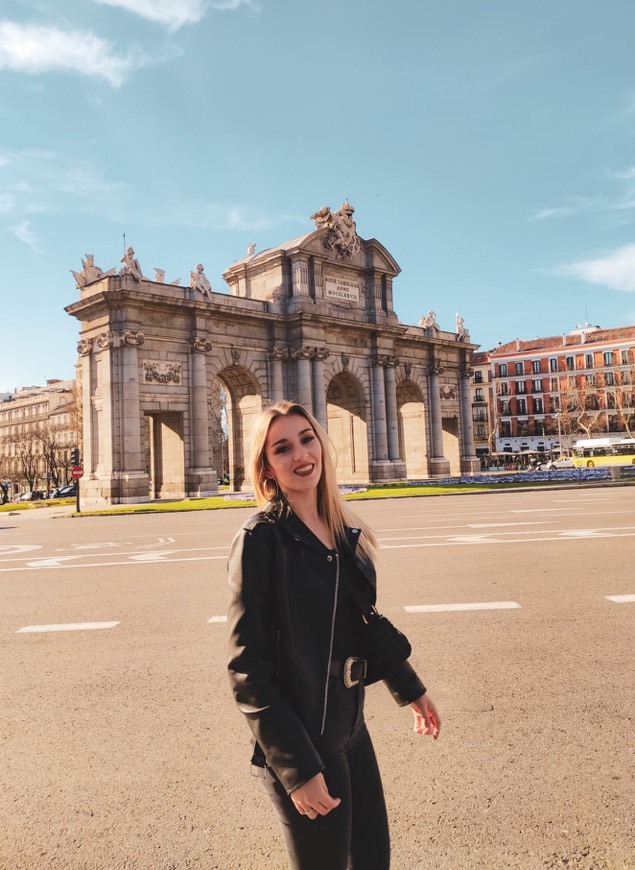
349	682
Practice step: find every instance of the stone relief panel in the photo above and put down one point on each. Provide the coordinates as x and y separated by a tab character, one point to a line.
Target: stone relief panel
162	372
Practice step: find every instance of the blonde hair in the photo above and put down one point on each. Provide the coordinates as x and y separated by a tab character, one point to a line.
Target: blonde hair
331	508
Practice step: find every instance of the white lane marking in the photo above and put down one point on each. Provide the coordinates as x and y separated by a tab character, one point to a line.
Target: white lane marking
130	564
87	547
131	553
500	525
620	599
69	626
18	548
218	619
451	542
156	556
55	562
446	608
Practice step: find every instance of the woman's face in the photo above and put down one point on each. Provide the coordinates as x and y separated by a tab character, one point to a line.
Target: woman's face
293	455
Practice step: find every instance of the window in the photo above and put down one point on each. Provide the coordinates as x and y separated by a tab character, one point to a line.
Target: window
505	408
537	386
538	406
521	406
590	380
519	367
624	356
478	377
502	370
608	358
570	363
521	387
609	380
478	395
553	364
555	404
553	385
535	366
588	360
504	389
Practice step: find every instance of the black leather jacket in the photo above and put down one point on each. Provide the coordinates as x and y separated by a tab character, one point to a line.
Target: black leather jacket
283	583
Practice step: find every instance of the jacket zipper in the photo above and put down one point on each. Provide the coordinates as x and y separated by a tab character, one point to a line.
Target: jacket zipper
328	667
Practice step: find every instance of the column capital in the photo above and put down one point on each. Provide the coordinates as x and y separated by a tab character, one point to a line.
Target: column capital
131	337
322	353
84	347
466	371
435	369
279	353
200	344
303	352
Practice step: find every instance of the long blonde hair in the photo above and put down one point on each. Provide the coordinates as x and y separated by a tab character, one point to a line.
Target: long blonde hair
331	508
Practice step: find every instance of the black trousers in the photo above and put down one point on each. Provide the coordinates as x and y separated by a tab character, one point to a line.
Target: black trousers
355	834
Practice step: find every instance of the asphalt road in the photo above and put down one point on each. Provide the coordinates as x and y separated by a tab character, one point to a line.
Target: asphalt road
121	747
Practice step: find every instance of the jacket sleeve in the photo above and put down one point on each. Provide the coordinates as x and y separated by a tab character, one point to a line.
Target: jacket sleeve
404	684
253	663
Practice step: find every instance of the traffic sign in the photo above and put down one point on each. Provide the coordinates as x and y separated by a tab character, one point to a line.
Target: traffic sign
77	472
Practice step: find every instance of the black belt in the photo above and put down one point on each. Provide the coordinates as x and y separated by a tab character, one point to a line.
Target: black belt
351	672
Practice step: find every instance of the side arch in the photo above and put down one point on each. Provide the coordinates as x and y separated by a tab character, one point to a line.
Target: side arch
348	427
412	429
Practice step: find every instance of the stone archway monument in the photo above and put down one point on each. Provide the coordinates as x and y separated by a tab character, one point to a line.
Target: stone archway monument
311	320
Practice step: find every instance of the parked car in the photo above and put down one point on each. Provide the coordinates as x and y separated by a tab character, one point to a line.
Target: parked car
68	491
561	462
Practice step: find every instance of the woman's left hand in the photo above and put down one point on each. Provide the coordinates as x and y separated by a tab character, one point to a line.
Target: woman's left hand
427	719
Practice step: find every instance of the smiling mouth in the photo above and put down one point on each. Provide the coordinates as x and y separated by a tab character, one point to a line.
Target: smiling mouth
304	470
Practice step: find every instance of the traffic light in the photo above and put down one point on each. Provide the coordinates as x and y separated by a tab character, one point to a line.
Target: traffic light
75	456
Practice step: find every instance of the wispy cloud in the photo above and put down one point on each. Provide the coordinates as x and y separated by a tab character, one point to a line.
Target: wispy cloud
615	270
576	205
174	14
25	234
31	49
36	181
171	13
214	216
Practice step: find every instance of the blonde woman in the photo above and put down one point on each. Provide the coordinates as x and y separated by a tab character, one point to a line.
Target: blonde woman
297	662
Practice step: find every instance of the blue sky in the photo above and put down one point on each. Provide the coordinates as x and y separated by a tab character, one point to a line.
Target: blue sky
488	145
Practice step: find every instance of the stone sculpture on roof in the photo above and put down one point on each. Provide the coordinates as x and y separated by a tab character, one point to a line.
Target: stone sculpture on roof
429	321
131	265
90	272
198	281
342	235
462	333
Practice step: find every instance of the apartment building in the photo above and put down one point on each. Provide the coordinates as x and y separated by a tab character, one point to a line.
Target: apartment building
38	429
548	392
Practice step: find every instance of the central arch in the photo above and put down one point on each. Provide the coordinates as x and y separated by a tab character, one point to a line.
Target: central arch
348	427
243	400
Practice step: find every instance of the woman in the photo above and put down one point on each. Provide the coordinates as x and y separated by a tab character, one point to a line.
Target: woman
297	650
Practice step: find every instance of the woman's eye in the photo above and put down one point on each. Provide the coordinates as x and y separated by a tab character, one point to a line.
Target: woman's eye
308	439
279	450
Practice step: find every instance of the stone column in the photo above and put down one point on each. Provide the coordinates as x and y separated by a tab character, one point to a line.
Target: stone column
199	447
200	477
469	460
105	441
319	390
303	357
380	436
392	425
84	349
439	465
275	372
131	459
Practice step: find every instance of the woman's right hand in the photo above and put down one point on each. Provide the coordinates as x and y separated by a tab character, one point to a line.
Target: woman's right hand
313	799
